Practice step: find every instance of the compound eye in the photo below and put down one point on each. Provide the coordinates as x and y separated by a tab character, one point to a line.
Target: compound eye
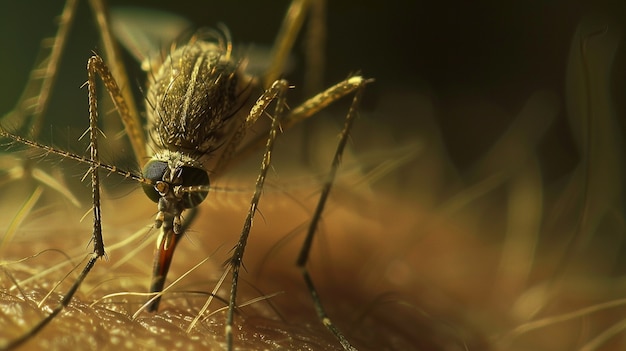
192	176
154	171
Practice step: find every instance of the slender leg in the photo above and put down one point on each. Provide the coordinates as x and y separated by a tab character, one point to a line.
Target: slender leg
98	243
122	98
36	95
323	99
303	257
29	111
307	109
276	92
286	37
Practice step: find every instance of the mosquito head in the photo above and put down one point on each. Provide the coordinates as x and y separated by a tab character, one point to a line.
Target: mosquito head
170	176
166	177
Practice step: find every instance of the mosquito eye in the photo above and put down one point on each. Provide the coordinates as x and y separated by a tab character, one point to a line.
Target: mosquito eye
194	176
154	171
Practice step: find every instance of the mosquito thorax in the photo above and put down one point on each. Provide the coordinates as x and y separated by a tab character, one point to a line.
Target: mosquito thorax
193	97
169	172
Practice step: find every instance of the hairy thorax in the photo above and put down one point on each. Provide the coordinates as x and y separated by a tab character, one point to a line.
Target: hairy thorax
195	100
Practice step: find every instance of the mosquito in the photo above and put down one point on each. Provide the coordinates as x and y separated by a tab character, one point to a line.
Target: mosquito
196	123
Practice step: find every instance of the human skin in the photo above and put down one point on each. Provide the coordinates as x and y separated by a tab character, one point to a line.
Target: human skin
367	281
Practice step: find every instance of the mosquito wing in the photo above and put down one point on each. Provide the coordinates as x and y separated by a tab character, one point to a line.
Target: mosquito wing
146	32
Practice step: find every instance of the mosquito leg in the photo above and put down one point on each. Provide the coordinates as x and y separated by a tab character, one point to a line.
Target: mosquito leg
310	107
293	21
315	64
120	103
31	107
122	98
302	112
92	68
228	155
286	37
98	243
276	92
64	302
36	95
303	257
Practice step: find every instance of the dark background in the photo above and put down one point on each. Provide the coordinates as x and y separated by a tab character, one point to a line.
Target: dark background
459	54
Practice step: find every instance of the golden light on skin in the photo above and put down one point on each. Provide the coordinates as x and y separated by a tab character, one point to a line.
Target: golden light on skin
349	290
